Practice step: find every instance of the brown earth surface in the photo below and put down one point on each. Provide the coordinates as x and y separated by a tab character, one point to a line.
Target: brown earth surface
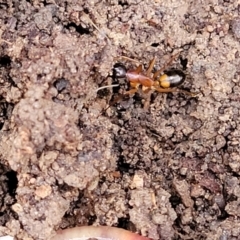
168	172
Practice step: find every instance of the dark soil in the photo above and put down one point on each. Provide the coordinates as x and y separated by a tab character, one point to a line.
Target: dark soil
170	171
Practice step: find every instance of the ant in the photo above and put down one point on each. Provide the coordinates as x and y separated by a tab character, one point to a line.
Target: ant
163	81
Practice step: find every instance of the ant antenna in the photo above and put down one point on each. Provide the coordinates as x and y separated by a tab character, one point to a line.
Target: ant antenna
95	26
107	86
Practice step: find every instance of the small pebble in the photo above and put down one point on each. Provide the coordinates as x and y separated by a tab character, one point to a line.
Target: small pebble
43	191
210	28
60	84
6	238
236	27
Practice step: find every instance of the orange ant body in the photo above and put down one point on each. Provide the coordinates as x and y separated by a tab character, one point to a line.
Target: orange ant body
161	81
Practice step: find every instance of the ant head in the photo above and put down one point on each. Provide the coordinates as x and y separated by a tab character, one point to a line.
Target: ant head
119	70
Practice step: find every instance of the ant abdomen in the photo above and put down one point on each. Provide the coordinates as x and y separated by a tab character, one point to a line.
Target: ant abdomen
172	78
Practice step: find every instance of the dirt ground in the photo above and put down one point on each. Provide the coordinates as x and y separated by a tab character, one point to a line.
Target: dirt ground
168	172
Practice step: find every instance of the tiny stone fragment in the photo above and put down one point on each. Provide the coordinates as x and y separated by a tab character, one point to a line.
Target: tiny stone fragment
43	191
236	27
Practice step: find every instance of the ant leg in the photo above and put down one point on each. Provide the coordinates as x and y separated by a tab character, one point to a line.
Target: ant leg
166	65
147	97
117	99
150	68
167	90
151	64
131	91
139	69
192	94
128	59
